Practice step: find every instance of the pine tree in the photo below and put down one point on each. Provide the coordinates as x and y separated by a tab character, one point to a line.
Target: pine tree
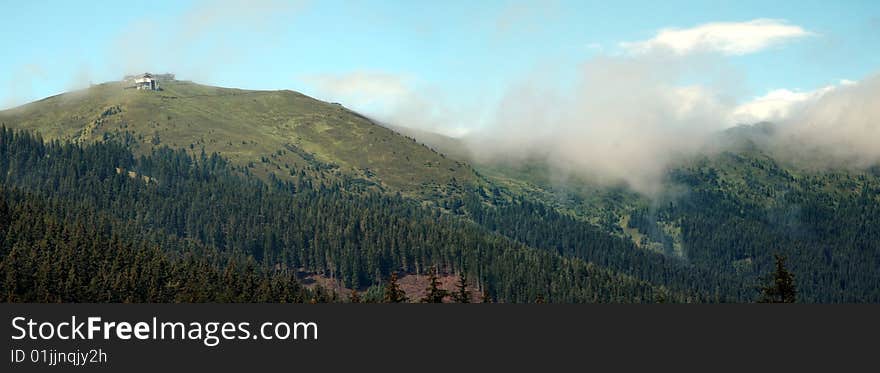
433	293
393	292
781	285
462	294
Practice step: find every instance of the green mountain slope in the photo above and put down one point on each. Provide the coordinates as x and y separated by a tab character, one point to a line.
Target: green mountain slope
266	131
743	207
211	221
733	211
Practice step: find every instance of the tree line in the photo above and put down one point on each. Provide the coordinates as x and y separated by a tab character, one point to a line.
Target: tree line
199	206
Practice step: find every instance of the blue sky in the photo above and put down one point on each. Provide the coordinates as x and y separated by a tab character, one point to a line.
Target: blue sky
464	53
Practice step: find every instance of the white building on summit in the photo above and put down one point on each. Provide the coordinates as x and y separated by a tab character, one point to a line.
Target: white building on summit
147	81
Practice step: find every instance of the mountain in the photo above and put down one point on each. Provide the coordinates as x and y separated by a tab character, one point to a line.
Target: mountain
269	132
210	232
734	208
275	180
198	193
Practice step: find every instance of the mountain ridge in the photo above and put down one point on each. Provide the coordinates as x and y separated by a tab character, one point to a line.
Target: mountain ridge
269	132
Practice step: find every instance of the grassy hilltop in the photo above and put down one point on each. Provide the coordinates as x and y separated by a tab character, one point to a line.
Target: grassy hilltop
267	131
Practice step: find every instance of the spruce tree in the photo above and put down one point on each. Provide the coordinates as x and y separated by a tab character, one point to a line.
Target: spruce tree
433	293
462	294
393	292
781	286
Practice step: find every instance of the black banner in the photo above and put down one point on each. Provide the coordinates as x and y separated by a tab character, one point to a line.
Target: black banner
230	337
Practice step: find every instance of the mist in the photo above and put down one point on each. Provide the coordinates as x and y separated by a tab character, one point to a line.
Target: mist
628	121
839	129
625	120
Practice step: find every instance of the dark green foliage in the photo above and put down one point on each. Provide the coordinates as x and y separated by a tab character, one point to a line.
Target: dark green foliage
537	225
462	294
433	293
825	224
647	224
393	292
373	294
780	287
201	210
317	223
53	252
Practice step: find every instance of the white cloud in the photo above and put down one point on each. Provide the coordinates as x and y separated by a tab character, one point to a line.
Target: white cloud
775	105
624	120
729	38
839	128
780	104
